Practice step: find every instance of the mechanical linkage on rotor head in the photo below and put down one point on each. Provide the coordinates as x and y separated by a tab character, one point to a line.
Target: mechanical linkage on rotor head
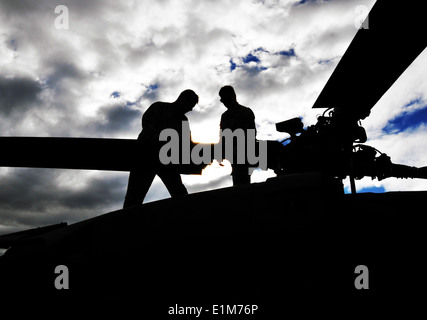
329	147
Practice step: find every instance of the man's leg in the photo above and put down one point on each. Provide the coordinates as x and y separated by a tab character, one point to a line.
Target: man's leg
138	186
241	175
173	183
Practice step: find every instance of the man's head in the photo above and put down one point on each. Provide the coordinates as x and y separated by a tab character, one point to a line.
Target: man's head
187	100
228	96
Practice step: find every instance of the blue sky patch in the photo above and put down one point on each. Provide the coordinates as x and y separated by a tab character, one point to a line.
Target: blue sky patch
324	61
233	66
261	49
115	94
248	59
380	189
251	58
408	119
301	2
288	53
153	87
414	101
13	45
150	94
373	189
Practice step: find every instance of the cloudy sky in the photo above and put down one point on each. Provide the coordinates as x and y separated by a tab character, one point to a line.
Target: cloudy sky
94	73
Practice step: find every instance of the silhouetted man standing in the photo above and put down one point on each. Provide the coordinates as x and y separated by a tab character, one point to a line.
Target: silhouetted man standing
236	117
159	116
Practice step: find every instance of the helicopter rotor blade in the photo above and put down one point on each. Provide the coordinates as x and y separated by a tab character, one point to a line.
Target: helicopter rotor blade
79	154
376	57
67	153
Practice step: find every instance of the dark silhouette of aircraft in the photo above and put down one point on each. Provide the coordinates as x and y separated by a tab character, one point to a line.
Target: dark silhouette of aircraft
292	241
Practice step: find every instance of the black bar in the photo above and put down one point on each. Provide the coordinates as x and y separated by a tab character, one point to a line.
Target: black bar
77	153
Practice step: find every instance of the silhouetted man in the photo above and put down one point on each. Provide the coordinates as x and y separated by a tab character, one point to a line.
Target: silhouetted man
159	116
236	117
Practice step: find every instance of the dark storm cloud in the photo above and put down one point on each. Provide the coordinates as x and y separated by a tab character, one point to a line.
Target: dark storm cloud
97	193
152	92
117	118
38	197
19	6
26	188
26	24
17	94
62	71
26	195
